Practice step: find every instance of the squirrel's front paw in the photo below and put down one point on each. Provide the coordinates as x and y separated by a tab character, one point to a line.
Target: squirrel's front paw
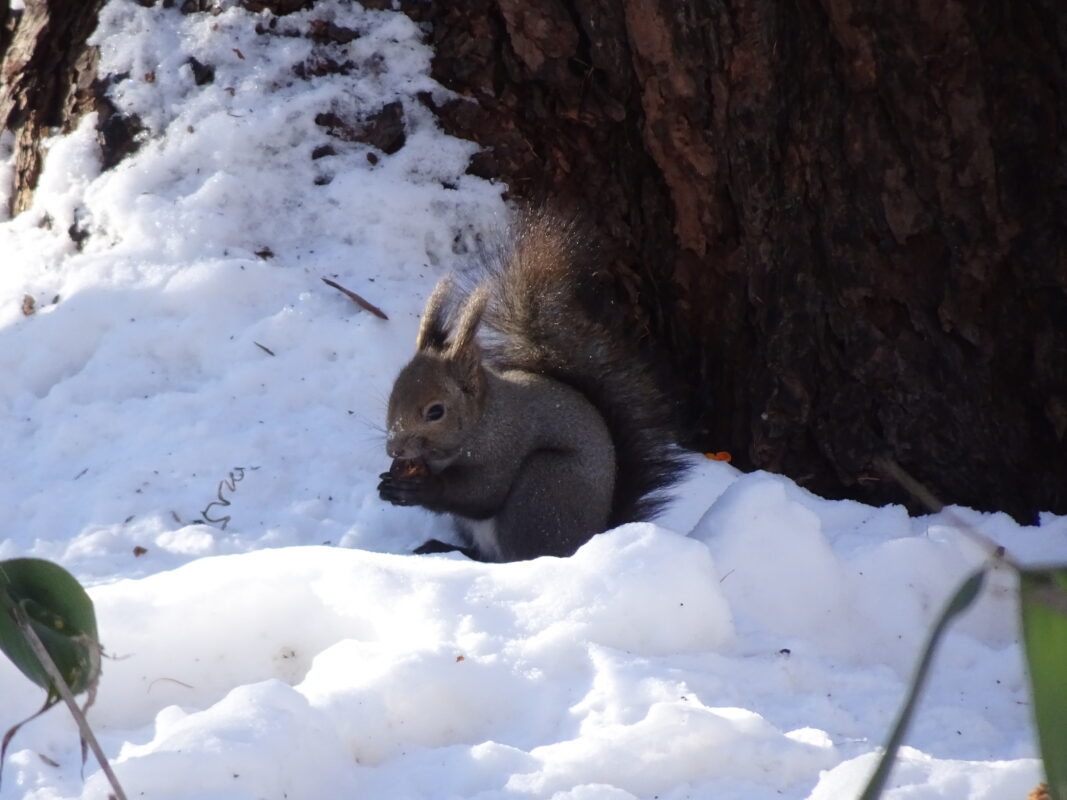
412	491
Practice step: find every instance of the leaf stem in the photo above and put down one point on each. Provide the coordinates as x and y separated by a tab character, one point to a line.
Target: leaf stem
61	687
960	601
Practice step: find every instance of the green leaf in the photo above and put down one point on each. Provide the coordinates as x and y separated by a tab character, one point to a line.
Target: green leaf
59	611
964	596
1044	619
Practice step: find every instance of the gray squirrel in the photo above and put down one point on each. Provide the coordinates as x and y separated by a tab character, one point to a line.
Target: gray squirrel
549	430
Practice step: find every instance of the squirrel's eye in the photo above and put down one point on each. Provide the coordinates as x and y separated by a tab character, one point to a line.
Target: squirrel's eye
434	412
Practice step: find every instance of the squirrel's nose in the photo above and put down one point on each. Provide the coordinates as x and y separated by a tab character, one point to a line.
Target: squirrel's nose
404	446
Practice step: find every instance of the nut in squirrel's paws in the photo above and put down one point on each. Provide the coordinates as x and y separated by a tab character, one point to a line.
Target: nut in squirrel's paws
409	482
408	468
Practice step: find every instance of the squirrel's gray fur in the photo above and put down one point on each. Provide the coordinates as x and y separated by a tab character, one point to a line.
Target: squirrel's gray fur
549	430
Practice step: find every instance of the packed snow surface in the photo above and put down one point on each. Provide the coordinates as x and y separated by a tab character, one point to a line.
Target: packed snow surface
192	425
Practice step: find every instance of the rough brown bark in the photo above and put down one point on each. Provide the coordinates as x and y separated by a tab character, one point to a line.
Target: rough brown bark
844	219
46	79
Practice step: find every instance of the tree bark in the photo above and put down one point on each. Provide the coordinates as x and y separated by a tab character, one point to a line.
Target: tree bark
46	79
843	220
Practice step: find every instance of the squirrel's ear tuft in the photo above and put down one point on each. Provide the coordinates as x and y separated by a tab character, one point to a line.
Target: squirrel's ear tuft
467	324
463	351
433	331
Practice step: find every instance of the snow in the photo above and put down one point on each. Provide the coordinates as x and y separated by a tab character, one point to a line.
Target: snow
756	643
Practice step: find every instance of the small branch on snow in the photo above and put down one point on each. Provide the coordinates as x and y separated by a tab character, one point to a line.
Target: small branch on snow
357	299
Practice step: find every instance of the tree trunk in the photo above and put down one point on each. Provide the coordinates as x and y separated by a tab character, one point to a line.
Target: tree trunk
844	220
46	79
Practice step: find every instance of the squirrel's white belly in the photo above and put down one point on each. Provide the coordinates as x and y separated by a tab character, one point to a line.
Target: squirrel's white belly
484	538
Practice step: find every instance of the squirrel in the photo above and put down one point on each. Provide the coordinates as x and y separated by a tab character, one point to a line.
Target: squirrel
551	429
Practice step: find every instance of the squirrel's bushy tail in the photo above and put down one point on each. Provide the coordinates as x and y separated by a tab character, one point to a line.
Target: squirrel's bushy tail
544	316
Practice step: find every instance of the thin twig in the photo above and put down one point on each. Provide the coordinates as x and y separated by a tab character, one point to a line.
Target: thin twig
169	680
358	300
60	684
920	492
910	484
